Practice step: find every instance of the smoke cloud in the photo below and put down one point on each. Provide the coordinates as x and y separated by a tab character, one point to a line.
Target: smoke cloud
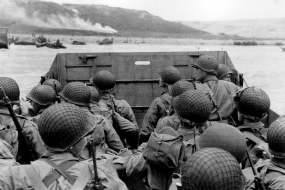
11	11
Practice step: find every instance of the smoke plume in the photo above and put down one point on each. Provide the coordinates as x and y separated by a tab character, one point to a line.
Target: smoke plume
10	10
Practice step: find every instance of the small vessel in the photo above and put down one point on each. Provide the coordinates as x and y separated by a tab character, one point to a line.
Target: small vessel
4	42
106	41
78	43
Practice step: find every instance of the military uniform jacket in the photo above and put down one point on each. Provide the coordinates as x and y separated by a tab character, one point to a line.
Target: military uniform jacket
16	177
271	173
157	109
6	156
30	130
224	92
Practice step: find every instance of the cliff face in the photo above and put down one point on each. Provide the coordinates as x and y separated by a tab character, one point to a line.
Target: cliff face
32	16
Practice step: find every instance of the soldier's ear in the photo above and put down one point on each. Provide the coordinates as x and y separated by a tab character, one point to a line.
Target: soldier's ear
14	136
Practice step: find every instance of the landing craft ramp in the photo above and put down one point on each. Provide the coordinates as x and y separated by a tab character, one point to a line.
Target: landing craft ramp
136	73
4	38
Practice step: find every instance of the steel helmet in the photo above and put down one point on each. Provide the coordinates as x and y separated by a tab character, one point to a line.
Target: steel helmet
170	75
207	63
42	95
63	125
76	93
104	80
11	89
95	96
52	83
223	70
226	137
276	137
212	169
253	103
181	86
194	106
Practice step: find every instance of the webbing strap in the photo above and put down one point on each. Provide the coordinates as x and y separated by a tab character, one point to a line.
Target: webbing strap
82	179
66	175
34	178
49	179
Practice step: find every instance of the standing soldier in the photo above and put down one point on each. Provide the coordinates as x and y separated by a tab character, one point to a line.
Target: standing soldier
271	171
224	73
79	94
206	68
28	128
253	105
105	82
40	97
63	128
161	106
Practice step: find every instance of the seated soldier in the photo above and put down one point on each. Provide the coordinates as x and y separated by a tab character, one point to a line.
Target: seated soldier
104	81
224	73
29	129
79	94
161	106
173	121
271	172
253	105
63	128
40	98
212	169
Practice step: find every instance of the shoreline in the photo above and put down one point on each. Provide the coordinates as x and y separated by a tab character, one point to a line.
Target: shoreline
139	40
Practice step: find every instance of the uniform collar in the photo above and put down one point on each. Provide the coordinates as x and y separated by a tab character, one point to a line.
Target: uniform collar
210	78
255	125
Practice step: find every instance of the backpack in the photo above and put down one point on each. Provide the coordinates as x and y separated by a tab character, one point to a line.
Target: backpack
163	150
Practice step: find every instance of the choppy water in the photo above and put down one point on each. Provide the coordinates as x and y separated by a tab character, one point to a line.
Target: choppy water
263	66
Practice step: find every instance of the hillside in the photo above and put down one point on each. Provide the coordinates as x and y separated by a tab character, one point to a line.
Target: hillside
265	28
48	17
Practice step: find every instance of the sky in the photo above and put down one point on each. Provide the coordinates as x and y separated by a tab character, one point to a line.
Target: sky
198	10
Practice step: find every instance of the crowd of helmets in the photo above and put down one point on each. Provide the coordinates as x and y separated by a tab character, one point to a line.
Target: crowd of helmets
225	144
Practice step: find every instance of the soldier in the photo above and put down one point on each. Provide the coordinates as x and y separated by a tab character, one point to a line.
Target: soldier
105	82
40	97
173	121
212	169
29	128
79	94
224	73
63	128
253	105
225	137
161	106
206	68
53	83
271	171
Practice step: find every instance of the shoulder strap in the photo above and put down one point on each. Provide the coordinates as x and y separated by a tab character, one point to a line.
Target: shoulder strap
49	179
166	104
66	175
82	179
34	178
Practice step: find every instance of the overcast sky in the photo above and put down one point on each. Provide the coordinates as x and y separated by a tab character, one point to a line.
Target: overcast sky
198	10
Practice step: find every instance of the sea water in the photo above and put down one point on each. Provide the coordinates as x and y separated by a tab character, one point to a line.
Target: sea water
262	66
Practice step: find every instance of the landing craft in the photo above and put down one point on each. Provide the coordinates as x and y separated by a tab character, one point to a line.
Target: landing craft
136	73
106	41
4	42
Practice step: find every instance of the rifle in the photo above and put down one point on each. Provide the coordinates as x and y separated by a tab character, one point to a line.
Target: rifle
97	183
57	96
115	120
259	185
17	123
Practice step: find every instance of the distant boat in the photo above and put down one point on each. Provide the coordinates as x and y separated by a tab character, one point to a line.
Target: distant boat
78	43
4	42
56	45
25	43
283	49
106	41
